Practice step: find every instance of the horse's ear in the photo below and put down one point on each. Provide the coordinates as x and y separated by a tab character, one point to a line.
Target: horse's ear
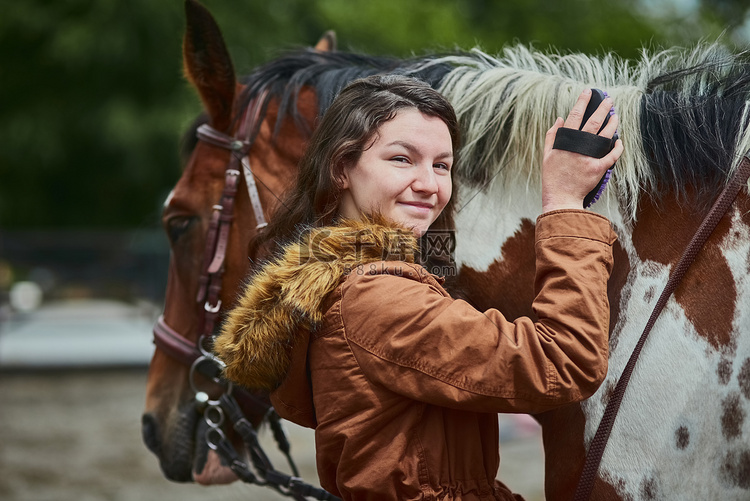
327	42
208	65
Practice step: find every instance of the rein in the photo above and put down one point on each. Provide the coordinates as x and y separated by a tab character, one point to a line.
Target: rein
199	356
599	442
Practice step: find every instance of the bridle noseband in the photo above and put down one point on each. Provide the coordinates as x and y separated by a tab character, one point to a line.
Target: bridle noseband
199	357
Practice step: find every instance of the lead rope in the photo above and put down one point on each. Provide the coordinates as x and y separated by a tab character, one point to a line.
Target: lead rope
599	443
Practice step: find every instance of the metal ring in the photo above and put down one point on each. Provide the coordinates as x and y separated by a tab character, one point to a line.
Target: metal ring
202	347
211	444
209	417
194	386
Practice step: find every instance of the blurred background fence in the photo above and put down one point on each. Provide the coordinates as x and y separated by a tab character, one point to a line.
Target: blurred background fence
77	263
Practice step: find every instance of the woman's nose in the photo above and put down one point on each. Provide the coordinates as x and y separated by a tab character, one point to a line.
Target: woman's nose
425	180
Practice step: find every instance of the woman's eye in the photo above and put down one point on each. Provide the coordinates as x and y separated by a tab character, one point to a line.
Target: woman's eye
442	166
400	159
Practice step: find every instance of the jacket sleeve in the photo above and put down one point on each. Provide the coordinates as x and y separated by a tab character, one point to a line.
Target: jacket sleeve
408	336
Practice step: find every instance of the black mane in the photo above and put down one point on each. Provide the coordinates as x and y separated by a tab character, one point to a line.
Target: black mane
327	73
691	119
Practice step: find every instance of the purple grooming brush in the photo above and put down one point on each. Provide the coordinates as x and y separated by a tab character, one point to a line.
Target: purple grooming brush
597	96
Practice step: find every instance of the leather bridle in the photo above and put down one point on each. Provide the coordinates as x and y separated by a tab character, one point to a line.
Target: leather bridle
199	357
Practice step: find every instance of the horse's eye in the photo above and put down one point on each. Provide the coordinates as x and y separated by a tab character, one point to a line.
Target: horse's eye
177	226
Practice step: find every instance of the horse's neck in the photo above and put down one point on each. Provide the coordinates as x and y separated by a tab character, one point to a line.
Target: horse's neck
707	300
684	412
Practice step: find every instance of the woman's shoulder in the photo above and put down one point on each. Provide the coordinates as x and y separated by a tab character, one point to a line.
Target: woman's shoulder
387	293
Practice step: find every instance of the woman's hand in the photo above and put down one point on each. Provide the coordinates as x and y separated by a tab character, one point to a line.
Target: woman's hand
567	177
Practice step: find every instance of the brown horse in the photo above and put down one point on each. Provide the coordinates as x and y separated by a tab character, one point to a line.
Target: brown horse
170	423
682	431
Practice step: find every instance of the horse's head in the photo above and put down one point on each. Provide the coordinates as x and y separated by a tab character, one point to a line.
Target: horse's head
196	226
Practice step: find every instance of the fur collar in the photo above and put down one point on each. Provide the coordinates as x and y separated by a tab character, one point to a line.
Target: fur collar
286	296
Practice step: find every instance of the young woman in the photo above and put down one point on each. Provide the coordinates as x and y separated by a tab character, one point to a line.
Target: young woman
401	382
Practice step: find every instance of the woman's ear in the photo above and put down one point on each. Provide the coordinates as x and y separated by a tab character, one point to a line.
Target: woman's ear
342	177
343	181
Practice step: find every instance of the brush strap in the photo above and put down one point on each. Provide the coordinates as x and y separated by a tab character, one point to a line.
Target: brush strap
591	145
585	143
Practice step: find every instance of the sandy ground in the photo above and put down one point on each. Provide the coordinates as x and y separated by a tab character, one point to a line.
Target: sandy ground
75	435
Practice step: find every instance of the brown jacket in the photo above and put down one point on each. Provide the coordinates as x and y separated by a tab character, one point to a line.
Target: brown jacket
401	382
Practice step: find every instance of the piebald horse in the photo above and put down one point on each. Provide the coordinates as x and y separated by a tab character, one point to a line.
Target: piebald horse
683	431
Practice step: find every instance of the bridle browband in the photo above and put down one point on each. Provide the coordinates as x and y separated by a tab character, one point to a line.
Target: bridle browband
199	357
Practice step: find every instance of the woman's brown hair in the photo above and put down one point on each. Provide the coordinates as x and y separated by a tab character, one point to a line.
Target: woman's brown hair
348	128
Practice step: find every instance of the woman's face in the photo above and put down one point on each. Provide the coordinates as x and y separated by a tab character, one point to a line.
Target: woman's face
405	174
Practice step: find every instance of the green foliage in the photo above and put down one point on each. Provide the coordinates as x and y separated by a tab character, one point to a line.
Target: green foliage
94	100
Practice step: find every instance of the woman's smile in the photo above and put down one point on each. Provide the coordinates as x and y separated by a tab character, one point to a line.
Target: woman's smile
419	208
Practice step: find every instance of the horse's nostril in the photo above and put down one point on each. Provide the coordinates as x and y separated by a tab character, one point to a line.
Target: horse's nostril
149	430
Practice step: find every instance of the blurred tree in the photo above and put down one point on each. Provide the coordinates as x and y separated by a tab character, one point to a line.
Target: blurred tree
685	21
732	14
91	93
94	100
